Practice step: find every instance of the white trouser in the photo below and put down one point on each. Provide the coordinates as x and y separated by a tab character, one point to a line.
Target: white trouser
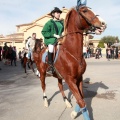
50	48
30	54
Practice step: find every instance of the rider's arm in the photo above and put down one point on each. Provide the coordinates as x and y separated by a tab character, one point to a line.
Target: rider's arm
27	44
47	30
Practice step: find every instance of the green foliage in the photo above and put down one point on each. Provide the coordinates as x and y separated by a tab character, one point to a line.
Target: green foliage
101	44
110	39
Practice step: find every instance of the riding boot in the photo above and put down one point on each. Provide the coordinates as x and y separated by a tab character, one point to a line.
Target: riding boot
50	62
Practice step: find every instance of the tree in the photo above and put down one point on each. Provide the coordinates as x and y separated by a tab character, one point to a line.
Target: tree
101	44
110	39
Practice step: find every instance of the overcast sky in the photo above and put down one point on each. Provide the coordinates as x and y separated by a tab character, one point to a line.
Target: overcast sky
17	12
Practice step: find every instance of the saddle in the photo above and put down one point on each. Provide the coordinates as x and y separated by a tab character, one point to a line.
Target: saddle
55	54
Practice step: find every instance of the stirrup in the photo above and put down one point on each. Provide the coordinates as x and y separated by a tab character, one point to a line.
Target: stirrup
50	70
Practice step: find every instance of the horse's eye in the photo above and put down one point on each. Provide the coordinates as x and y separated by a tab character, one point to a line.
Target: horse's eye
85	11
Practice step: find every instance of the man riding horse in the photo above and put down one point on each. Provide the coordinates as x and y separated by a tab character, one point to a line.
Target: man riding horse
51	31
70	62
30	46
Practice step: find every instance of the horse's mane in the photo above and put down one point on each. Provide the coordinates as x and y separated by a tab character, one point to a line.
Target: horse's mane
66	20
38	44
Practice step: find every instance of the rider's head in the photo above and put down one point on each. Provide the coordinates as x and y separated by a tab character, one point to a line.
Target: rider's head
55	13
34	36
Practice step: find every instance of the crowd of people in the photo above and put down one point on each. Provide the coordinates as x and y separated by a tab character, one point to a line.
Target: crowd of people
112	52
89	52
8	54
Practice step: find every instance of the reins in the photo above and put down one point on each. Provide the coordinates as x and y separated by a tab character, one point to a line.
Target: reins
68	34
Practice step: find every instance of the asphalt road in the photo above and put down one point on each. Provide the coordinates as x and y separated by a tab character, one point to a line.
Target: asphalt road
21	94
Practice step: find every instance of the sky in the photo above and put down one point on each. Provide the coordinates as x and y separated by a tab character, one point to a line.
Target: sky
17	12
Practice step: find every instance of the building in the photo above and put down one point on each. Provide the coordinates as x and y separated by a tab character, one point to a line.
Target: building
19	38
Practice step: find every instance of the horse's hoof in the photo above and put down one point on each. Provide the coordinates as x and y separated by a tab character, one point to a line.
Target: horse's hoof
68	104
73	114
45	103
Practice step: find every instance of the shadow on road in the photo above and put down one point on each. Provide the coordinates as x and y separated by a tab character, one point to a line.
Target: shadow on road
65	87
90	94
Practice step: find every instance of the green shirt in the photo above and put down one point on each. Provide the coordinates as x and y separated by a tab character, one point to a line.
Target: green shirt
49	30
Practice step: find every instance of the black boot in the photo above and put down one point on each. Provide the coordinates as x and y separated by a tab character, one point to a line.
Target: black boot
50	62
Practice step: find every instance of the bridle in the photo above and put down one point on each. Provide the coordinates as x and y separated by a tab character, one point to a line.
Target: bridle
89	22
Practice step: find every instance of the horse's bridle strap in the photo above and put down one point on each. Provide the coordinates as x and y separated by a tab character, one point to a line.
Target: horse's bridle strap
70	33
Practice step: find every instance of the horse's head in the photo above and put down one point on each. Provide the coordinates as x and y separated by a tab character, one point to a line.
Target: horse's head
38	43
88	20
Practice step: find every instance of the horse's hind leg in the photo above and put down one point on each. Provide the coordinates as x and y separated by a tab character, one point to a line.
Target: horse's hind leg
63	94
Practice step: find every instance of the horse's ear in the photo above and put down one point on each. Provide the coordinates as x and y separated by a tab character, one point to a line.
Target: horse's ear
67	18
41	40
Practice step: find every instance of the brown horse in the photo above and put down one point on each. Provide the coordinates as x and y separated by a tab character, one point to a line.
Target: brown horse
36	51
70	62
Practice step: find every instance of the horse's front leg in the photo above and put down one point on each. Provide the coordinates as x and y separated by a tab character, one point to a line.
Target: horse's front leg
31	65
81	106
43	85
63	94
24	64
80	86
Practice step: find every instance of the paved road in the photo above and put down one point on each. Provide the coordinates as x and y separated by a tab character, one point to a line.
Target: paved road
21	94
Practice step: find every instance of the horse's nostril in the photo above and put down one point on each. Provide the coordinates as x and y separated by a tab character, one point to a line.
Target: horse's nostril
103	23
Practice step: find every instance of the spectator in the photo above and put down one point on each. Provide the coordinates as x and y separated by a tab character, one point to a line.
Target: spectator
88	52
109	53
112	52
13	57
19	54
85	51
0	52
116	56
97	53
100	51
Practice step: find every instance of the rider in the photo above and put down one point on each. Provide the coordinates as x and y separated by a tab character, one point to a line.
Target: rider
5	48
30	45
51	31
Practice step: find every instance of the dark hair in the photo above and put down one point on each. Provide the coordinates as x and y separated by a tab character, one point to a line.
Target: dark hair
34	34
56	9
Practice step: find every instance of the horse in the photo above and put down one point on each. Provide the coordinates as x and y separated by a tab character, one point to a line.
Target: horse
70	63
7	55
29	63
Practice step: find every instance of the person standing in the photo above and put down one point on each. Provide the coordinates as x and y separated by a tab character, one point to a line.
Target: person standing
116	53
13	56
112	52
84	51
19	54
109	53
0	53
51	31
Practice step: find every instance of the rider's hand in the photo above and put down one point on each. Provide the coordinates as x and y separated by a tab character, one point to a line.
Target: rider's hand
57	36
